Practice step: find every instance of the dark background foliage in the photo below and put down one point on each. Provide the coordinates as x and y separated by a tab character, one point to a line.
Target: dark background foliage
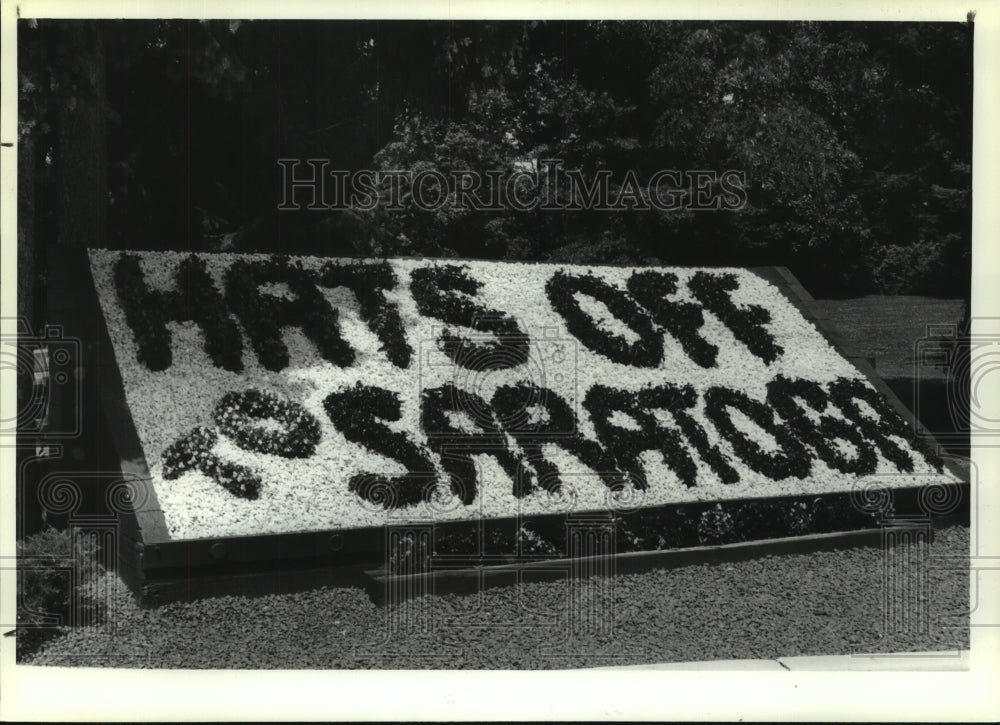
855	137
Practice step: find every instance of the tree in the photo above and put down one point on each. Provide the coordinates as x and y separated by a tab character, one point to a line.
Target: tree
855	138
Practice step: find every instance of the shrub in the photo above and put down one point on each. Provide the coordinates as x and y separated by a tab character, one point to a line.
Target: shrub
914	269
47	563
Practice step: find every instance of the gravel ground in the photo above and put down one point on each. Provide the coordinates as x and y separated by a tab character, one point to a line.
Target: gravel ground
777	606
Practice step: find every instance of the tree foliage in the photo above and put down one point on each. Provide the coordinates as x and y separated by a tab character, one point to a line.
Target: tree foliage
854	138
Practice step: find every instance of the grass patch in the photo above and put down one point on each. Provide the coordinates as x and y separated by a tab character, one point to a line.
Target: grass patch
888	328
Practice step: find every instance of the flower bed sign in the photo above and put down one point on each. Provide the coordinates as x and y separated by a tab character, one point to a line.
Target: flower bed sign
273	395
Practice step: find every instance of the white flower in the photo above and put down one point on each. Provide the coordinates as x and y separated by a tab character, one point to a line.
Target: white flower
305	494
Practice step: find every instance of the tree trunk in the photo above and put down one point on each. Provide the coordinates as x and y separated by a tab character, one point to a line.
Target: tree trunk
26	260
81	152
80	167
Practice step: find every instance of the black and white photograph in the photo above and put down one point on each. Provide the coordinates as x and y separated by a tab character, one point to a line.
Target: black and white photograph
627	351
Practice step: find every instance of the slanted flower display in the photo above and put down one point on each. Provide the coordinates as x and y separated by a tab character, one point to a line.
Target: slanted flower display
274	394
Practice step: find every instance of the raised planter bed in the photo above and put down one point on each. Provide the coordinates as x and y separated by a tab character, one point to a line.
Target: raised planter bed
294	420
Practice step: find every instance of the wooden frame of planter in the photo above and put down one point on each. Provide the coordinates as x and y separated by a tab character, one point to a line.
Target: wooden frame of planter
160	569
